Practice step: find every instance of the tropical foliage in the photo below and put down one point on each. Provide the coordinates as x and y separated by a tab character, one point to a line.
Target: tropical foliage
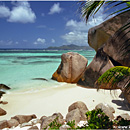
96	119
89	8
113	76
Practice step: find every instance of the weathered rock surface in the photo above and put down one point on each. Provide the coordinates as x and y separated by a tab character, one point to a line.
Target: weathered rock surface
33	128
24	118
3	124
82	108
118	46
108	110
71	68
74	115
100	64
100	34
12	123
2	112
125	116
80	105
56	116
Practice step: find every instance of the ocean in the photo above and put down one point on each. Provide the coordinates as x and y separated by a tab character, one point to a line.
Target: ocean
18	68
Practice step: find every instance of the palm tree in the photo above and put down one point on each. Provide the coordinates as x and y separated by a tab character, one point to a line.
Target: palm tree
117	74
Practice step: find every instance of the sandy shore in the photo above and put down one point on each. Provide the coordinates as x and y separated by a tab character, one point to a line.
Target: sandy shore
47	102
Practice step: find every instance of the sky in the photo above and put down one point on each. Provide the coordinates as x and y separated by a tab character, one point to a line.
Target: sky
40	24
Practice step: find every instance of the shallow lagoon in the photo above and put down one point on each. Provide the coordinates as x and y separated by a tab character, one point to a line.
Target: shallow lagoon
19	67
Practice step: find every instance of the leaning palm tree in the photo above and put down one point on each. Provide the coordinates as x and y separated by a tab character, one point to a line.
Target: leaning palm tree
114	76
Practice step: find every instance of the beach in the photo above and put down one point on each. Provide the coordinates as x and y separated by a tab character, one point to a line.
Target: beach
58	99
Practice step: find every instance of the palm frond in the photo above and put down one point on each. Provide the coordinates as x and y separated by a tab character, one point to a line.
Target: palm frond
90	8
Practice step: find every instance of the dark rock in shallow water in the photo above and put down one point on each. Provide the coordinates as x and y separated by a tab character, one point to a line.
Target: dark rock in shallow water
39	79
3	86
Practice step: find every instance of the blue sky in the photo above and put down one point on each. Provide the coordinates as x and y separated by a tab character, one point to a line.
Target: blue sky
42	24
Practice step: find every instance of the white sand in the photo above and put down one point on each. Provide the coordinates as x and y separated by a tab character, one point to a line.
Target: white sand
47	102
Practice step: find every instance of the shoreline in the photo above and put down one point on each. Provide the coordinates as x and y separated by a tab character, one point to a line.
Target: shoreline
58	99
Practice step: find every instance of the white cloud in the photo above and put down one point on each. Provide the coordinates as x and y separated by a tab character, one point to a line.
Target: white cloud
78	30
53	40
22	13
39	41
55	8
4	11
75	25
41	26
8	42
76	37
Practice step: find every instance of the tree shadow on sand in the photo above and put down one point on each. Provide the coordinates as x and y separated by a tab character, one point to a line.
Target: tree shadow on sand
123	104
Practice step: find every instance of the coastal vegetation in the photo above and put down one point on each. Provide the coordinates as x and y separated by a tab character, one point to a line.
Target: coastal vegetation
96	119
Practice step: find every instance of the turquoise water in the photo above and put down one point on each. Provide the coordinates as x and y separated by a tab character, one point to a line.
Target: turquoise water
19	67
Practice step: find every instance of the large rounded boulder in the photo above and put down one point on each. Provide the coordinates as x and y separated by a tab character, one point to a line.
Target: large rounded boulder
71	68
99	35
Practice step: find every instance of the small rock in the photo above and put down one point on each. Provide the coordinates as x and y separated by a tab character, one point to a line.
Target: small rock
33	128
64	127
107	109
74	115
125	116
46	121
12	123
80	105
2	112
82	108
24	118
3	102
3	124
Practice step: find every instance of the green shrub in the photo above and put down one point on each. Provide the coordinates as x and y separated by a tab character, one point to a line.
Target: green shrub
98	120
71	124
123	122
54	124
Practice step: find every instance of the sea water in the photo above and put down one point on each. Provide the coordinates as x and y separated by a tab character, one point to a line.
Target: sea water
18	68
